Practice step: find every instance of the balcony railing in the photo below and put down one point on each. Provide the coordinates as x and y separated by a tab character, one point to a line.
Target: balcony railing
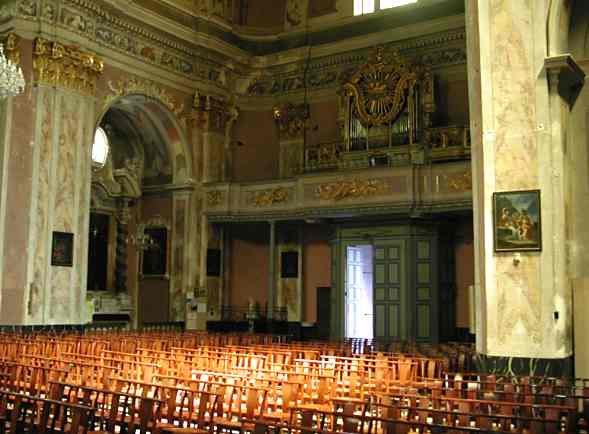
438	144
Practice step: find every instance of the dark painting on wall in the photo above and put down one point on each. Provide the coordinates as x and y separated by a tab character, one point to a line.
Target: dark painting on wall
155	256
289	264
62	249
213	262
516	220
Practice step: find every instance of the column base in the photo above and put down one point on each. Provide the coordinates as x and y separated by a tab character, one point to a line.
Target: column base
506	365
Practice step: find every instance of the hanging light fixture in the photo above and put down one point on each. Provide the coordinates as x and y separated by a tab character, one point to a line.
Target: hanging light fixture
12	81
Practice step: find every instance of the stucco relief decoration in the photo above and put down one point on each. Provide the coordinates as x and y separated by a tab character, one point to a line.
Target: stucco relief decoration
295	12
459	182
353	189
291	119
379	88
27	8
143	87
215	198
55	64
11	48
269	197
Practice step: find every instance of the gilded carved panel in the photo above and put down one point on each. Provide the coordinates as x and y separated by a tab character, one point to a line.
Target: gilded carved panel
56	64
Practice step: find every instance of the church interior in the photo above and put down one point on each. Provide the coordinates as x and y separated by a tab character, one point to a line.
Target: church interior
314	216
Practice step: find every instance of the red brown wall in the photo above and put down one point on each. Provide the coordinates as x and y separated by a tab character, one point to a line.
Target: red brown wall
323	126
256	152
464	271
154	294
265	13
316	267
248	273
452	103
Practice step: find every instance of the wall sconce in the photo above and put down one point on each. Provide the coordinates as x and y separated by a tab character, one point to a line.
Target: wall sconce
517	258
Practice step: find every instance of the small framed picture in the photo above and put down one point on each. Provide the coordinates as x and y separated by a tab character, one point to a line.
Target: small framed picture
517	222
62	249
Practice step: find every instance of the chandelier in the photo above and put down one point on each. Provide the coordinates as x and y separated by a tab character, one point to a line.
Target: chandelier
142	240
12	81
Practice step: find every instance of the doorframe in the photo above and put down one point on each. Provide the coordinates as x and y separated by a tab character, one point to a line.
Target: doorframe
347	244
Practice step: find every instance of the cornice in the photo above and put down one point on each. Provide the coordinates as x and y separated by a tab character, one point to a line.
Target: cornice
399	208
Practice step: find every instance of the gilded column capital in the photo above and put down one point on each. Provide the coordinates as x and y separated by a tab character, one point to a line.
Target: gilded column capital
56	64
11	49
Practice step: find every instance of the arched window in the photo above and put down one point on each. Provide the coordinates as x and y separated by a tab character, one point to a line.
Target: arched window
362	7
100	147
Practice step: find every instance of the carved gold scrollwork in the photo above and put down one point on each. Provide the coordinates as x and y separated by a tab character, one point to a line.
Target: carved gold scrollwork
460	182
291	119
143	87
11	48
269	197
66	66
214	198
355	188
379	88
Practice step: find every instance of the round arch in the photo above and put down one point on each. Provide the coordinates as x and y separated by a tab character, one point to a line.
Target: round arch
148	108
557	26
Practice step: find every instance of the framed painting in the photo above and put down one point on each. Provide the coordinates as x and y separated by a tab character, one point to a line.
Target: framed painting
155	256
62	249
517	221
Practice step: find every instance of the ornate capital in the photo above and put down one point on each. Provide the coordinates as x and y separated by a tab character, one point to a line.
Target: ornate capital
11	48
66	66
291	119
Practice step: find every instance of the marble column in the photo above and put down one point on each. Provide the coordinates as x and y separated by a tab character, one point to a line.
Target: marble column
525	300
180	246
47	179
123	217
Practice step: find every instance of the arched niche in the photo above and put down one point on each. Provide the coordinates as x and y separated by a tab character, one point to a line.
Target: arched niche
148	161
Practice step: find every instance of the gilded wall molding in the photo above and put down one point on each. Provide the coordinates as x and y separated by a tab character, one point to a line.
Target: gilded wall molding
144	87
214	198
352	189
11	49
461	182
269	197
56	64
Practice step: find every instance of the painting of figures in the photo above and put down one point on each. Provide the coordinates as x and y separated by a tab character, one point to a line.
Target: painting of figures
516	218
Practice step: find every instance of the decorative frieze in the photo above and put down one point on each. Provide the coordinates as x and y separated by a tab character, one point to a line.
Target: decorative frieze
135	85
351	189
268	197
214	198
460	182
66	66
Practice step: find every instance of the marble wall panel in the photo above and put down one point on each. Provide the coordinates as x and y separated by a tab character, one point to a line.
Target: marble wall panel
40	247
177	286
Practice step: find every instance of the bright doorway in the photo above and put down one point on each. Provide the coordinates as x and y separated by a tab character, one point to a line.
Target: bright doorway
359	297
